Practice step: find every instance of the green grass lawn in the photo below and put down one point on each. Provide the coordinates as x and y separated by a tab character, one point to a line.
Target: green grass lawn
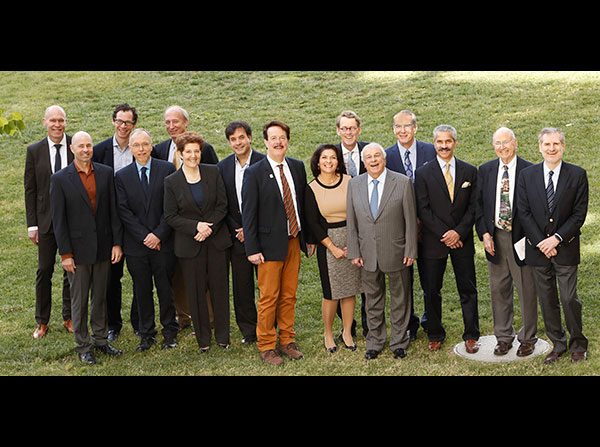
475	103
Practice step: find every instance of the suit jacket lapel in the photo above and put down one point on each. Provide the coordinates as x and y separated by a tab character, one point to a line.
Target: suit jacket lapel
563	179
459	175
388	188
363	187
78	184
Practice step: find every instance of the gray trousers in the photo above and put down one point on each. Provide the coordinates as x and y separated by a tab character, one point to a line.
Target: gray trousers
375	291
89	278
503	277
545	281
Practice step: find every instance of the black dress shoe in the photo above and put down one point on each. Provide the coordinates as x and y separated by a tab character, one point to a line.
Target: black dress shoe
399	353
108	349
145	344
412	335
87	357
371	354
112	335
169	342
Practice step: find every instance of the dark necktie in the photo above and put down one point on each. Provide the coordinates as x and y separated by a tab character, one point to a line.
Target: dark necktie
57	160
505	218
408	166
288	202
550	192
144	180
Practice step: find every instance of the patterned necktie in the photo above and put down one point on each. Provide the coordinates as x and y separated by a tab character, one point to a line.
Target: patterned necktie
175	159
144	180
550	192
57	160
505	218
288	202
351	166
374	203
449	182
408	166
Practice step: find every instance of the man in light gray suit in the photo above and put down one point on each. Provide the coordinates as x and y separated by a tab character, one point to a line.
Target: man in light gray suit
382	239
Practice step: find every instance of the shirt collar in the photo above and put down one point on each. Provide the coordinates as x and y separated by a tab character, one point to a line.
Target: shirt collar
139	166
380	179
62	142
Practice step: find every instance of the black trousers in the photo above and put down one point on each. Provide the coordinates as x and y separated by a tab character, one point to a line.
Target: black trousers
208	270
244	301
464	272
43	281
159	266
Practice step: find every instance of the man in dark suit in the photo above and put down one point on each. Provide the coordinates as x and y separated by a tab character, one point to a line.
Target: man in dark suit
176	122
233	168
89	237
45	157
274	223
147	238
446	204
114	152
499	226
553	202
348	127
406	156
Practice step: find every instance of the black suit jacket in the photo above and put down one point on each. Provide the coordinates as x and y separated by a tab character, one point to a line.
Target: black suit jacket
438	214
103	153
425	153
567	218
89	237
143	213
263	213
487	184
208	155
227	168
37	184
183	214
361	145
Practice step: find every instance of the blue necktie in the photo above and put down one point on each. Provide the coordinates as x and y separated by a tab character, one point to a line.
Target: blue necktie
408	166
351	166
373	204
550	192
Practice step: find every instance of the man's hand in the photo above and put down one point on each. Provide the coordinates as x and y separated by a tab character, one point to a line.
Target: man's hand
548	246
488	244
239	234
33	236
358	262
116	254
69	265
256	259
408	261
152	241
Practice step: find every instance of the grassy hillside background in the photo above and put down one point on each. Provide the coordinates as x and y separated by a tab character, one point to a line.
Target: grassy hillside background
475	103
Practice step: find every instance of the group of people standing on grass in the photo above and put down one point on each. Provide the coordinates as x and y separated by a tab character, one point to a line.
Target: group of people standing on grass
180	218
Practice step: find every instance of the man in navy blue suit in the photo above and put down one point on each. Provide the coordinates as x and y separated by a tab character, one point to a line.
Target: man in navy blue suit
233	168
147	239
405	156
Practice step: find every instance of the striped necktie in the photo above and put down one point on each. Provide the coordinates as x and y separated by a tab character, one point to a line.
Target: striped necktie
408	166
449	182
550	192
288	202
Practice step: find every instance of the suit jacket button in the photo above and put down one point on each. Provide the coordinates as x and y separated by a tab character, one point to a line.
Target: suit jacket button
551	220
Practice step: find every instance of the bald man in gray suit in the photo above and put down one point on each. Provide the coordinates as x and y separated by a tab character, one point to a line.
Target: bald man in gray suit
382	239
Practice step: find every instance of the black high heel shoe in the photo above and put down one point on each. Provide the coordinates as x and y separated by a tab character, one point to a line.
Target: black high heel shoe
352	347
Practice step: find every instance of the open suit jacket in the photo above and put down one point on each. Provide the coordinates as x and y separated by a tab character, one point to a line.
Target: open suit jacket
183	214
103	153
384	241
361	145
89	237
487	191
143	213
207	156
439	214
37	184
227	167
425	153
263	213
570	209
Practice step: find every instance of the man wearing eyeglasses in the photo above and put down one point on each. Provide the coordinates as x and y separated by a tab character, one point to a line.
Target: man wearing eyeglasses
405	156
114	152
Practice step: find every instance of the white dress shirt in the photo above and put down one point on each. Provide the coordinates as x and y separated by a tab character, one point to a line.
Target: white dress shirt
347	153
380	185
63	153
452	168
554	176
121	157
239	177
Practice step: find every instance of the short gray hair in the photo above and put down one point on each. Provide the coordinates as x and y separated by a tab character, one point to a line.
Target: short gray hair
547	130
180	109
444	128
138	130
406	112
362	153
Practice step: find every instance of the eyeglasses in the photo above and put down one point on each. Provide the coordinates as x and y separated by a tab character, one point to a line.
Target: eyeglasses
346	129
143	145
121	122
403	126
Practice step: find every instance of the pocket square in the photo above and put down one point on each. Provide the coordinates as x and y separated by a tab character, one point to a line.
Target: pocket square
466	185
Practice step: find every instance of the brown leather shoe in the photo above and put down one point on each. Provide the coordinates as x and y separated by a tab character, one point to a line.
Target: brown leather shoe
291	350
40	331
271	357
472	346
525	349
552	357
502	348
434	345
578	356
68	325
